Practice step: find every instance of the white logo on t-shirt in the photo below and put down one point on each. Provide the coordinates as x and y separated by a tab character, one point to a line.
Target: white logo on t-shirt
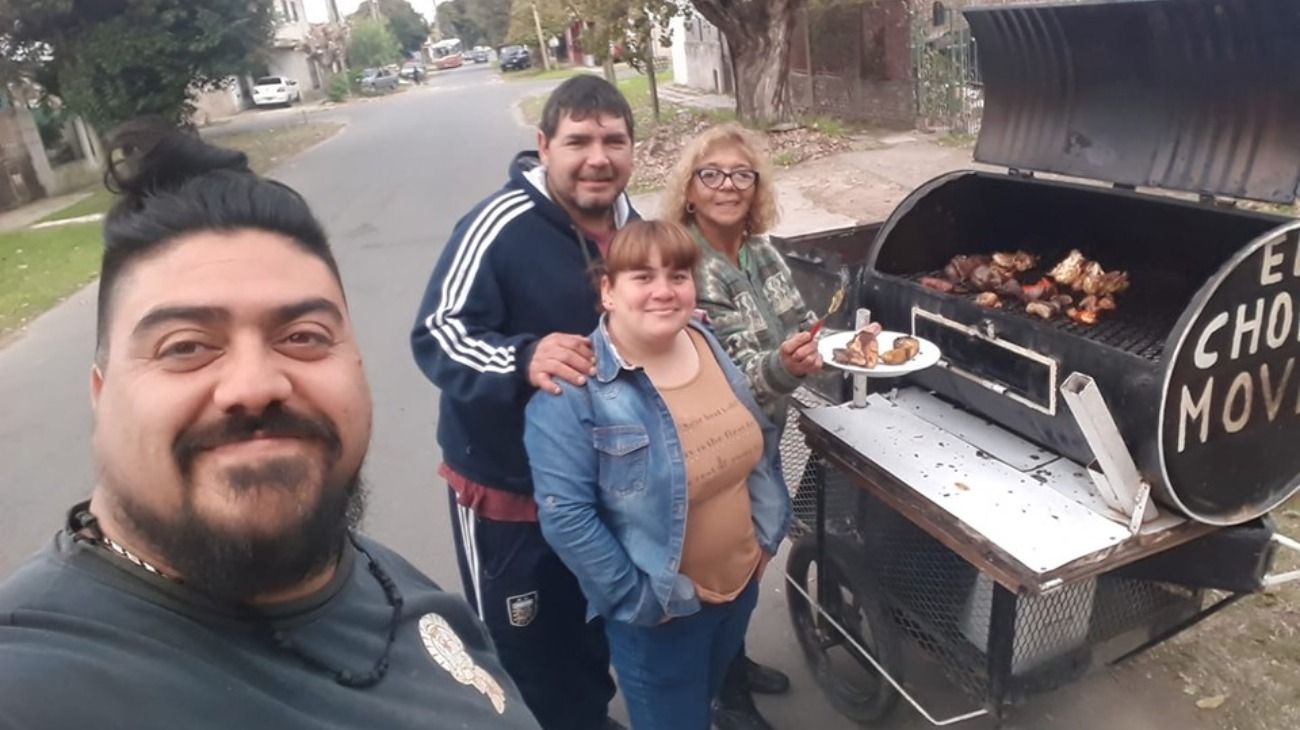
448	651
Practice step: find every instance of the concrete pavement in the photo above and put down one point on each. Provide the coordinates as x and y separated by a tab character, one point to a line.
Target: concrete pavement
18	218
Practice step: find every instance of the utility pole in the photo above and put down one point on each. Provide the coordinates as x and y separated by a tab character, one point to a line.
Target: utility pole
334	12
541	42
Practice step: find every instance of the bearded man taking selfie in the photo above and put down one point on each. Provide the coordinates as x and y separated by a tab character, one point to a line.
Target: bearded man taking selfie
214	578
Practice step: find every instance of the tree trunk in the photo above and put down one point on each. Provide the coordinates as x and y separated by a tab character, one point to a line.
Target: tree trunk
610	74
758	33
762	76
649	61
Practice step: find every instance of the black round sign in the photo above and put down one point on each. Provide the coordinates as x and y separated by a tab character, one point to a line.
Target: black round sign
1230	410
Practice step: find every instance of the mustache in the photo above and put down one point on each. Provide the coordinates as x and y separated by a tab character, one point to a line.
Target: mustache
273	422
598	176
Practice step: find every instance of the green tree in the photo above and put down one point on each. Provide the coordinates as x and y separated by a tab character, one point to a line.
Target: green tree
455	21
112	61
633	25
372	44
493	19
407	25
555	17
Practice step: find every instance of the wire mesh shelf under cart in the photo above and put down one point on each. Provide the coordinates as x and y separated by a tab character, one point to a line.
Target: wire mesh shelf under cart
946	598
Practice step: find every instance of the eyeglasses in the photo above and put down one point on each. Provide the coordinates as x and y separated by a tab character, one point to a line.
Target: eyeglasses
712	177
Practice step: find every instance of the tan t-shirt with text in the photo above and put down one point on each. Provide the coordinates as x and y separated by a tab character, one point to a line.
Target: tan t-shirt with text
722	444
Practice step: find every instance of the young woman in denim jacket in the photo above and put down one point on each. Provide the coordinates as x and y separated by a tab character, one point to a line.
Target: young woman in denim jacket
658	484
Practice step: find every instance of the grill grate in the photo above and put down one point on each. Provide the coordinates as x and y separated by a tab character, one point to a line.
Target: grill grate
1138	327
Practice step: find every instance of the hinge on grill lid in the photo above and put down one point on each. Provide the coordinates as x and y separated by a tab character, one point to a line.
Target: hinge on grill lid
1121	487
1017	172
1216	202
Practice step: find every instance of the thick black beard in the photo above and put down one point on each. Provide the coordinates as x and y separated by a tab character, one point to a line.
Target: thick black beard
234	564
237	566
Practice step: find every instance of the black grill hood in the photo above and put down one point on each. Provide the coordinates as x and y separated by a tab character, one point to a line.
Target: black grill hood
1200	96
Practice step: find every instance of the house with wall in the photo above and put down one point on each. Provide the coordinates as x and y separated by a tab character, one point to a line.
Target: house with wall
28	169
893	63
700	57
21	153
287	56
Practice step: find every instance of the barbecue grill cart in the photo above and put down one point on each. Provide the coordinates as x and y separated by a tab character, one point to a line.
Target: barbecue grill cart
1054	495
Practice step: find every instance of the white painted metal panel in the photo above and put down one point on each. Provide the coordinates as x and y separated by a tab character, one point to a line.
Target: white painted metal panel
1045	519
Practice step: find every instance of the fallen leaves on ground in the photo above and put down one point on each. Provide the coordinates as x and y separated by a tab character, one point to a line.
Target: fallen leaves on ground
1211	703
658	151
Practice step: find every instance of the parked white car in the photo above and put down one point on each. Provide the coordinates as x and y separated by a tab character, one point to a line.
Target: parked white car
276	90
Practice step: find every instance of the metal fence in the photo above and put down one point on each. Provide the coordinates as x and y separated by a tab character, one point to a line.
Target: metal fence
898	63
850	60
945	60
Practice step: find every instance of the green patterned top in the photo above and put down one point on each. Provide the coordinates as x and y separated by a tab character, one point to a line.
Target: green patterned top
753	309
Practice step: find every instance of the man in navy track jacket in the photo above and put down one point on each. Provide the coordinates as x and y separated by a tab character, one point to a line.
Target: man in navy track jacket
507	311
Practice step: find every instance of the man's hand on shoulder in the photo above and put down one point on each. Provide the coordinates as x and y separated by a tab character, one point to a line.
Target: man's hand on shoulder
563	356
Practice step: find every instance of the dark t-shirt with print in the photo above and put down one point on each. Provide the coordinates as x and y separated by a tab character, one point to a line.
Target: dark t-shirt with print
89	640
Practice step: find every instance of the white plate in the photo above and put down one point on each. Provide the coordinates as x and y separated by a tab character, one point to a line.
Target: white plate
927	356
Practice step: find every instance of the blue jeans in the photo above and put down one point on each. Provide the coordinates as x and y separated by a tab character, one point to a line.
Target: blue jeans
671	673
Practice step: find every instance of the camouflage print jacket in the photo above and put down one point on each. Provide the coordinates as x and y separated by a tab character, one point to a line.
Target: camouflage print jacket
752	312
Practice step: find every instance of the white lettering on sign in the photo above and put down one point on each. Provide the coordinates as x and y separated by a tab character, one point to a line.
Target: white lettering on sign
1250	342
1239	396
1233	408
1201	357
1249	328
1273	398
1279	326
1246	327
1271	260
1200	408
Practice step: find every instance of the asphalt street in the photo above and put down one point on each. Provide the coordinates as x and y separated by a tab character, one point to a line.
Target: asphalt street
389	188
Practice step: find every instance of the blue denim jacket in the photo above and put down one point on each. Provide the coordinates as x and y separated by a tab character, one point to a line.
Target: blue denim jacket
609	478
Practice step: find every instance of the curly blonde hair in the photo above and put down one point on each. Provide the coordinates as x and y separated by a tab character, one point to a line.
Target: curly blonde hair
762	212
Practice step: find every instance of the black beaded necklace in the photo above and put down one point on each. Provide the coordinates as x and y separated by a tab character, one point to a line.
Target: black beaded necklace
85	527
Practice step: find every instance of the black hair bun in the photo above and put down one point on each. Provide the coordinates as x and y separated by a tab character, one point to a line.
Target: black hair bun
149	155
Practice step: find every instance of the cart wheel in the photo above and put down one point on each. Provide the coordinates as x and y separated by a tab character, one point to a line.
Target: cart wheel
848	680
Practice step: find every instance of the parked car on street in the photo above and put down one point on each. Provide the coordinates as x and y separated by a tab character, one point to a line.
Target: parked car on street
378	79
414	72
481	54
515	58
276	90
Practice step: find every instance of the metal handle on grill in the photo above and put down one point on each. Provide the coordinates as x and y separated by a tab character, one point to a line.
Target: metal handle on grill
812	259
1118	481
861	319
992	385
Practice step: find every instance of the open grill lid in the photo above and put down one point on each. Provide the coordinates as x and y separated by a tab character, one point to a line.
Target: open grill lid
1192	95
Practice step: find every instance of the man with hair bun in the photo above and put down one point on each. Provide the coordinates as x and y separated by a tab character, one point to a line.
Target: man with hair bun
214	579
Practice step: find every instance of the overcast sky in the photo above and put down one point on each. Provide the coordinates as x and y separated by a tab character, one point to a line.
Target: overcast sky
317	13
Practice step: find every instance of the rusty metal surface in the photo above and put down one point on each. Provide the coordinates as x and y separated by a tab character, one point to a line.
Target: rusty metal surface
1191	95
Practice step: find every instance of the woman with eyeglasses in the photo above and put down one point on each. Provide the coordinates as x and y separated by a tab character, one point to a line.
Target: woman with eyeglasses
722	190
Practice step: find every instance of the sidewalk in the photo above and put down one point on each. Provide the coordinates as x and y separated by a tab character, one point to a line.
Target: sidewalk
862	185
24	216
687	96
866	184
855	187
